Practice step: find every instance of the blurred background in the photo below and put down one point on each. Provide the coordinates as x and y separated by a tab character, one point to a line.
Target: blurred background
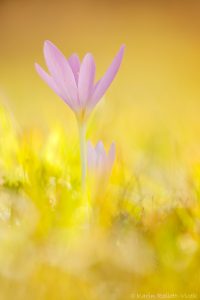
159	77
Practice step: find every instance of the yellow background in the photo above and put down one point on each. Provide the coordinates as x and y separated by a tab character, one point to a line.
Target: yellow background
159	77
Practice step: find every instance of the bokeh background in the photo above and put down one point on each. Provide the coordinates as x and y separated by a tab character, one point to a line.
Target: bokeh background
152	112
160	73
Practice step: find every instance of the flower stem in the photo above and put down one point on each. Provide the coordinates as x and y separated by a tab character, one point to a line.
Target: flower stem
82	139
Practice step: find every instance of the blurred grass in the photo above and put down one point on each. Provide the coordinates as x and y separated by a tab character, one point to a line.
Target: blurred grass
143	236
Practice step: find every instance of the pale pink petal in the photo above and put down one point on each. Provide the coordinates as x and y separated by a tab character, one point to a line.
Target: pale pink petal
61	72
94	88
47	78
111	155
107	79
90	104
101	156
100	148
74	63
86	78
91	155
51	83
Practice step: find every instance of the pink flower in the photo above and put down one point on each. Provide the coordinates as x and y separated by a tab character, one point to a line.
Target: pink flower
73	80
99	161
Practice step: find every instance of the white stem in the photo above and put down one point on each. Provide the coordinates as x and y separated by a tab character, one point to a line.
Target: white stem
82	139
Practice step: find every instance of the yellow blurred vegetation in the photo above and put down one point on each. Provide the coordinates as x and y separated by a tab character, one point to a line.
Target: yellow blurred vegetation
142	234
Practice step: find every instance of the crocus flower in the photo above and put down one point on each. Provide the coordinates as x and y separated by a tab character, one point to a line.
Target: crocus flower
100	162
74	81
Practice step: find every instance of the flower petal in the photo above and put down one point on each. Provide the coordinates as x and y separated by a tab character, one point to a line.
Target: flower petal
61	72
91	156
51	83
100	148
86	78
101	156
107	79
74	63
111	156
47	78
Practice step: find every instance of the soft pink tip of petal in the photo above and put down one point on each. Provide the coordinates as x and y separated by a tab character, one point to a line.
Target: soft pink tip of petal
49	46
39	70
99	146
123	46
121	51
112	153
48	43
